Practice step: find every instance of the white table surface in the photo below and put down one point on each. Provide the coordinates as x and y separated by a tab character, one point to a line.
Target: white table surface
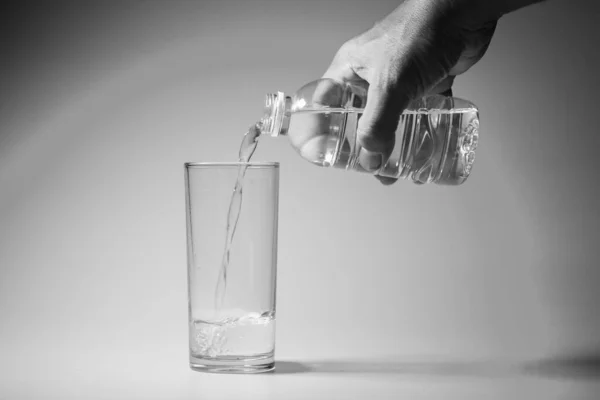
113	373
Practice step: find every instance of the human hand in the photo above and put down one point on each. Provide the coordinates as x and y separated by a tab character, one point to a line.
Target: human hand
416	50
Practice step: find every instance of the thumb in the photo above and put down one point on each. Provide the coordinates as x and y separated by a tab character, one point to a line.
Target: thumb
376	132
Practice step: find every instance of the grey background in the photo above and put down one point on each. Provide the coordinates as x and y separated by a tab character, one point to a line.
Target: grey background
102	103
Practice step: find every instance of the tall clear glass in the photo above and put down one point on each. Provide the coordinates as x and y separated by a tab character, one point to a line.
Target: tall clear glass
232	286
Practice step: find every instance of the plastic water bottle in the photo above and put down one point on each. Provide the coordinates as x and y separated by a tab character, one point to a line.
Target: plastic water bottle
435	140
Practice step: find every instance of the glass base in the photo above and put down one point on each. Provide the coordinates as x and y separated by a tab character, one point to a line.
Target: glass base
233	365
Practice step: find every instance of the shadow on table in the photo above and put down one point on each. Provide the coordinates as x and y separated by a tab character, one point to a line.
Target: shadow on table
392	367
584	366
575	366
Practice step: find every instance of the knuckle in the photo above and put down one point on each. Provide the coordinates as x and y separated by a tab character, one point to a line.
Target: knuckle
346	50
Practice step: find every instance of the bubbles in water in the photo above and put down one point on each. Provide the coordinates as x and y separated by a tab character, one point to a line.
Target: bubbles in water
210	339
250	333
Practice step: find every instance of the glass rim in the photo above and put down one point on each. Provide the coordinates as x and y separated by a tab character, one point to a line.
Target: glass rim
225	164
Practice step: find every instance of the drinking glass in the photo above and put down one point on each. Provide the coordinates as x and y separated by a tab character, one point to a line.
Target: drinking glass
232	217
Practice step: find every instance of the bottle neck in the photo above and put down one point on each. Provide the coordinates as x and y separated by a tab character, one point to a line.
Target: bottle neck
276	116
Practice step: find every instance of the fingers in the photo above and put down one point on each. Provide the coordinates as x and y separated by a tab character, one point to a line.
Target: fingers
444	87
328	93
376	130
312	136
340	68
447	93
389	94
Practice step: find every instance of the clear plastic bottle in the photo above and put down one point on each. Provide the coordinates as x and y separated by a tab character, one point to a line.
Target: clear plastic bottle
435	140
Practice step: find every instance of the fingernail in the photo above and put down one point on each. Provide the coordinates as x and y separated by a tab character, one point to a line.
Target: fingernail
370	161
